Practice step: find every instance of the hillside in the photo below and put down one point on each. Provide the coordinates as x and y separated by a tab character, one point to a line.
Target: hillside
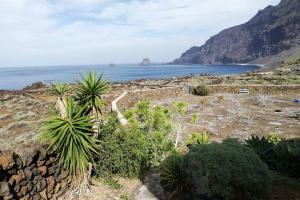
271	36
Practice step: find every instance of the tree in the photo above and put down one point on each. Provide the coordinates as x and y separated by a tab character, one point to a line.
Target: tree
72	134
89	91
60	91
70	137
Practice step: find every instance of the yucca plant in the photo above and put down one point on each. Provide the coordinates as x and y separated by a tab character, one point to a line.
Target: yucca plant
172	176
60	91
89	91
260	145
71	137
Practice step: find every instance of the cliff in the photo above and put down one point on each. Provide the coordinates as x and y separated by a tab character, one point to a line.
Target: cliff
272	33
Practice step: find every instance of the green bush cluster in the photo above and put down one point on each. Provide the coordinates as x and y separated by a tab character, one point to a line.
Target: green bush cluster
280	155
144	143
121	151
201	90
225	170
155	125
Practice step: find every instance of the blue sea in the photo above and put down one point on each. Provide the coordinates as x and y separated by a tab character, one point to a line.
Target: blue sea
18	78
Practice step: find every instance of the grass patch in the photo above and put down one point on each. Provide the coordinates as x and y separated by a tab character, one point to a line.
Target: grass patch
112	183
124	197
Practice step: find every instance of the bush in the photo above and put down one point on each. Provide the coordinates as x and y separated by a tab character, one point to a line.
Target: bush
180	107
201	90
154	124
122	151
225	171
144	143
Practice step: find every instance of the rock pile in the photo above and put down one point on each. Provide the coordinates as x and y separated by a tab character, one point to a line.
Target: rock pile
35	175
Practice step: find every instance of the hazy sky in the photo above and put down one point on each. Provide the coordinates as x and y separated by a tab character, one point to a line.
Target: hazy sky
55	32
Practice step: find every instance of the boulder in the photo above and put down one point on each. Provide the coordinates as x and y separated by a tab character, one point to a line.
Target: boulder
41	185
28	174
4	189
42	170
35	86
24	190
50	183
7	160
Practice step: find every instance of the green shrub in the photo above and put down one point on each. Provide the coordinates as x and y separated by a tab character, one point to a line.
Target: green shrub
225	171
154	124
172	176
122	151
126	151
198	138
180	107
201	90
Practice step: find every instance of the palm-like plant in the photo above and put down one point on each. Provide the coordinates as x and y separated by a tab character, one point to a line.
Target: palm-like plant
89	91
71	138
172	176
60	90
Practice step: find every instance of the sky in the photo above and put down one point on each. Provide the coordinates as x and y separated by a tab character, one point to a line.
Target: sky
68	32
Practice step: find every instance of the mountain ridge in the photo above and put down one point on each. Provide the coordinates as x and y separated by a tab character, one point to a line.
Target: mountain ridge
270	32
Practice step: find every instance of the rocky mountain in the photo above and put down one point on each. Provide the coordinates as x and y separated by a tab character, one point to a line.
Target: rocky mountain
146	61
272	35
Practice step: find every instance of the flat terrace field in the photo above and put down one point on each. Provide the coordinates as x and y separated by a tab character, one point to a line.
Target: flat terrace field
237	115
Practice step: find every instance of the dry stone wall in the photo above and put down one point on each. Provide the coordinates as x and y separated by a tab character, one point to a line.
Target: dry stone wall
256	89
34	175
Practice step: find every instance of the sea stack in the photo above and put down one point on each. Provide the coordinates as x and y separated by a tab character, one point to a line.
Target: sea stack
146	61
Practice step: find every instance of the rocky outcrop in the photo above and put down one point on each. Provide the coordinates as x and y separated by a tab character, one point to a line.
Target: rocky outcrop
35	86
271	31
35	174
146	61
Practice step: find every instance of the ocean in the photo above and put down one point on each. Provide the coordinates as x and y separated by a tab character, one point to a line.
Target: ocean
19	77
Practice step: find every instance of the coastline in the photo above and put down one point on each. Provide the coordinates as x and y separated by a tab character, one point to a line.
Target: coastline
261	75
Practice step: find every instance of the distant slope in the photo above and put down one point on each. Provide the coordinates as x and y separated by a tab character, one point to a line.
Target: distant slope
270	32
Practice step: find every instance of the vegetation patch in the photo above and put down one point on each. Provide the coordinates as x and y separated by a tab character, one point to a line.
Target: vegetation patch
201	90
225	170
